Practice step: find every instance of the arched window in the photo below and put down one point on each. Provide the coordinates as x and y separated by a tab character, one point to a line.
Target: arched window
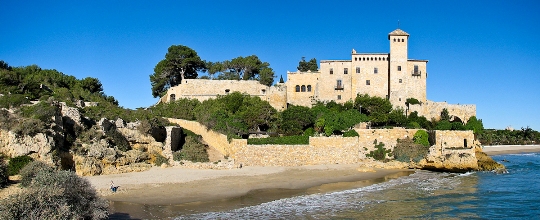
364	59
394	39
172	97
356	59
227	91
297	88
379	59
303	88
309	88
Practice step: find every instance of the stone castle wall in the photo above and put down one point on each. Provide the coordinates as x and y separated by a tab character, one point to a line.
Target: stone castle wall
320	150
204	89
431	109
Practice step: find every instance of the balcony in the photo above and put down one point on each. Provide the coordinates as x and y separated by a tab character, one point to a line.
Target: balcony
339	87
416	73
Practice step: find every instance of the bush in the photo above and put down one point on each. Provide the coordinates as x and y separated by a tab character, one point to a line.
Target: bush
29	127
118	139
13	100
55	195
350	133
4	177
407	150
380	152
309	132
285	140
160	159
192	150
30	171
17	163
421	137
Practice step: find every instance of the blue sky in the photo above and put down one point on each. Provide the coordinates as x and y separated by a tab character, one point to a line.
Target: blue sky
480	52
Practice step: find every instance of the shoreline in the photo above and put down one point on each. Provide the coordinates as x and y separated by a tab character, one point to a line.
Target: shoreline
510	149
174	191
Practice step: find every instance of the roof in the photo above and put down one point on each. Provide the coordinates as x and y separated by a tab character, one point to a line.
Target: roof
398	32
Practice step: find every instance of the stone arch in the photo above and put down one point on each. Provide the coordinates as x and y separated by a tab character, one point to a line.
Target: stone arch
172	97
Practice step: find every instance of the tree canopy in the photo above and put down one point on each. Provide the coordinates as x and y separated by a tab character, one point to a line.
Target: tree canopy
304	65
181	62
243	68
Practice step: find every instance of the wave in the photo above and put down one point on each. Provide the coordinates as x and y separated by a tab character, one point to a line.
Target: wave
325	205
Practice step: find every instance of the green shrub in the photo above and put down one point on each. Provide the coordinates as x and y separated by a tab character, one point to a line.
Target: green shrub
4	177
443	125
421	137
55	195
160	159
30	127
17	163
350	133
43	111
309	132
6	120
406	150
192	150
13	100
30	171
285	140
380	152
118	139
414	125
178	156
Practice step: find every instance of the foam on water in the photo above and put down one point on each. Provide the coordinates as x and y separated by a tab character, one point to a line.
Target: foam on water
318	206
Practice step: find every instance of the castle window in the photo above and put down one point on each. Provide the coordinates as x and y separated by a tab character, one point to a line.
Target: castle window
303	88
402	40
331	70
384	58
346	71
227	91
309	88
357	69
416	70
372	59
339	85
379	59
394	39
339	97
400	99
368	82
398	68
297	88
263	91
172	97
364	59
400	81
376	70
356	59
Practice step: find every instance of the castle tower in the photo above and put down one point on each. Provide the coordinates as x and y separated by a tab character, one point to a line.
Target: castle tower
397	72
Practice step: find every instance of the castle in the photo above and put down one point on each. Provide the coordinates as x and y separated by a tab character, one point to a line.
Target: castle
388	75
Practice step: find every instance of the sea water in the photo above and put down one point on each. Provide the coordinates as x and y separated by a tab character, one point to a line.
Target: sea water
421	195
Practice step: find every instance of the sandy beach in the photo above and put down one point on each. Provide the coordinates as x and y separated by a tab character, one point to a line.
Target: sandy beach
175	186
510	149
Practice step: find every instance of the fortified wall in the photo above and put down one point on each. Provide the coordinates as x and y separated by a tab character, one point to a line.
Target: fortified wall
324	150
204	89
431	109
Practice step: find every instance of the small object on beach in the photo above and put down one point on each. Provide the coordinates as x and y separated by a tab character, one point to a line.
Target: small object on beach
113	187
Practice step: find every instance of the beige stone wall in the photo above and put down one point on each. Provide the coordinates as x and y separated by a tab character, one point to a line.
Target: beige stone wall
327	150
302	79
378	82
328	88
216	140
204	89
389	137
431	109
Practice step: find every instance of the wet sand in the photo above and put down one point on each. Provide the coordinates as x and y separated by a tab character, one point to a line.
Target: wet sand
510	149
174	191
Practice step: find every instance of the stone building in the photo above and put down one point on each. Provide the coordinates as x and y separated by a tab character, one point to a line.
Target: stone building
389	75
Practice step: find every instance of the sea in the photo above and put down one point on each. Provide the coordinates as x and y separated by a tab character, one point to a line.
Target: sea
421	195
